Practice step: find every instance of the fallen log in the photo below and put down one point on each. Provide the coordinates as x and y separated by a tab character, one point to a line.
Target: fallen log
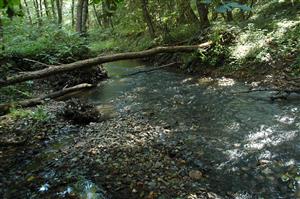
270	90
4	108
151	69
281	93
52	70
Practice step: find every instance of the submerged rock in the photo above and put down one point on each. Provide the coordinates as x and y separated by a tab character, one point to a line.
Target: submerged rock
81	113
195	174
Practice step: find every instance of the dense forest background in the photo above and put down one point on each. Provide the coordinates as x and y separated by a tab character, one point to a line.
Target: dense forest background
52	29
251	37
217	113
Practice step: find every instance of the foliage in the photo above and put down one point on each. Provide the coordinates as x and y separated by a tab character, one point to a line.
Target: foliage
38	114
265	33
49	43
13	93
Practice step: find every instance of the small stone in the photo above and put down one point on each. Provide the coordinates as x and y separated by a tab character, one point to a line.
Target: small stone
134	190
263	162
195	174
182	162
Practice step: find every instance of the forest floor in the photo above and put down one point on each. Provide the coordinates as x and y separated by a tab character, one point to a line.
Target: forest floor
103	148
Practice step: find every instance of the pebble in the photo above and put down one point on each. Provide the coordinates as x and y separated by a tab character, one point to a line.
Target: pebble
195	174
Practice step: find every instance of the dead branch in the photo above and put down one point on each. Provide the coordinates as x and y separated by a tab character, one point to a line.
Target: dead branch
52	70
36	62
152	69
41	99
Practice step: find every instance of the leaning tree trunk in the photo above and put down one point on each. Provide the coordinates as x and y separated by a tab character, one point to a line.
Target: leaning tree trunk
147	18
53	10
46	8
37	11
28	12
96	15
203	13
41	8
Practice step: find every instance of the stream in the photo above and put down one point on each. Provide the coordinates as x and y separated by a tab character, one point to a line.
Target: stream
235	134
243	145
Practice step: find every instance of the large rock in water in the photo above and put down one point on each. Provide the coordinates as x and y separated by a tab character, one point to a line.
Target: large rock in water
79	112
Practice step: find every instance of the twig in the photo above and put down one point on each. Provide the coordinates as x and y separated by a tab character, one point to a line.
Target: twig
152	69
269	90
39	100
36	62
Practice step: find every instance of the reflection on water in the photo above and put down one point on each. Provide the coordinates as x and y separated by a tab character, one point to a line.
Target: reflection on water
251	144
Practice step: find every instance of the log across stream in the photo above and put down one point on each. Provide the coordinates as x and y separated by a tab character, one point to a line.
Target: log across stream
174	135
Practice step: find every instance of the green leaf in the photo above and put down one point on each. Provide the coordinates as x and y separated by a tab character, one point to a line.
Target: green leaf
13	3
2	4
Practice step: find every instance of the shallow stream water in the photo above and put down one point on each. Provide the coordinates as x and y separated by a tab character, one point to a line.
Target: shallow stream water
245	145
249	145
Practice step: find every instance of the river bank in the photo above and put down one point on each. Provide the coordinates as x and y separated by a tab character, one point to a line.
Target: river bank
152	143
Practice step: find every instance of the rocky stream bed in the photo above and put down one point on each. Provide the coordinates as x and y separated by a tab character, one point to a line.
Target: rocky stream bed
160	135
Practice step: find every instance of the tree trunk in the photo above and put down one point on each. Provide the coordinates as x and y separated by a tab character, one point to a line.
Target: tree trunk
98	60
2	47
147	18
41	8
203	13
85	15
53	10
46	8
229	16
73	13
96	15
79	16
82	16
59	11
105	14
28	12
186	13
37	11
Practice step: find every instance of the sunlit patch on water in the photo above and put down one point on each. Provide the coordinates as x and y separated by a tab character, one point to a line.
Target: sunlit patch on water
45	187
66	192
225	82
242	195
285	119
234	126
290	162
243	137
265	155
268	136
205	80
186	80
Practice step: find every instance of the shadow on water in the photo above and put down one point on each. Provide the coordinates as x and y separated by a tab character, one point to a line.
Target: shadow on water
247	145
